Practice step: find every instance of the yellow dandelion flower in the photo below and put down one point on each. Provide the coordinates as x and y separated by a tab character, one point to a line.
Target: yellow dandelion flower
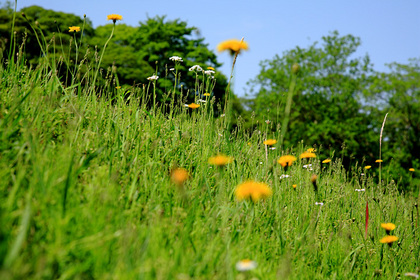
311	150
389	239
252	190
379	160
326	161
367	167
118	87
179	176
220	160
388	227
286	160
206	94
307	155
210	68
232	46
411	169
294	186
74	28
270	142
114	17
193	105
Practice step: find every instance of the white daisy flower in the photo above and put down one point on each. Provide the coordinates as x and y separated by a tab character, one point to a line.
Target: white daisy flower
319	203
176	58
209	72
154	77
307	166
245	265
171	69
359	190
411	274
272	148
201	100
284	176
196	68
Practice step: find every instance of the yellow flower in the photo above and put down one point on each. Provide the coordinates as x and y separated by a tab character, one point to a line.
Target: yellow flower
206	94
379	160
252	190
294	186
389	239
193	105
232	46
270	142
117	87
286	160
311	150
179	176
367	167
210	68
388	227
114	17
74	28
220	160
411	169
326	161
307	155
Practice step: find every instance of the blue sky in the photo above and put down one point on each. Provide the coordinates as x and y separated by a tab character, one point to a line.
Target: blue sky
389	30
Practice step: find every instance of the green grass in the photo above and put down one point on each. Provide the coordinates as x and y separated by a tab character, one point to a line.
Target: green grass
85	193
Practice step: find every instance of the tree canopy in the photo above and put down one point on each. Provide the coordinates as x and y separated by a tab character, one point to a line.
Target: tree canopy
340	102
135	52
326	109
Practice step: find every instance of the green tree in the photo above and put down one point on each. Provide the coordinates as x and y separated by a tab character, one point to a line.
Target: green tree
121	53
399	93
327	108
157	40
48	24
140	52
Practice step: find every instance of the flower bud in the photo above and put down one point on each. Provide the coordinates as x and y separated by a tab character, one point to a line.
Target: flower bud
295	68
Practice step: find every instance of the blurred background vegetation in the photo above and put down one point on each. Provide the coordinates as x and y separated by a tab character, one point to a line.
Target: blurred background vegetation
339	103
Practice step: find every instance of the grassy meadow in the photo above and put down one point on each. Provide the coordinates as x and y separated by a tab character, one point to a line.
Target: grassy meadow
93	186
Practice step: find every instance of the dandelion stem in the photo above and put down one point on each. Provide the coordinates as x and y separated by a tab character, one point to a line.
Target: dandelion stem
100	59
288	107
227	98
367	219
12	41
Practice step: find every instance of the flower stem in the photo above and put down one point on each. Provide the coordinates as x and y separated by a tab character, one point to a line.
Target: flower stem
100	59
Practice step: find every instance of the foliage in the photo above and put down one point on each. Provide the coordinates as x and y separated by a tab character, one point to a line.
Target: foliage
157	39
399	93
135	53
326	107
49	26
140	52
121	54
